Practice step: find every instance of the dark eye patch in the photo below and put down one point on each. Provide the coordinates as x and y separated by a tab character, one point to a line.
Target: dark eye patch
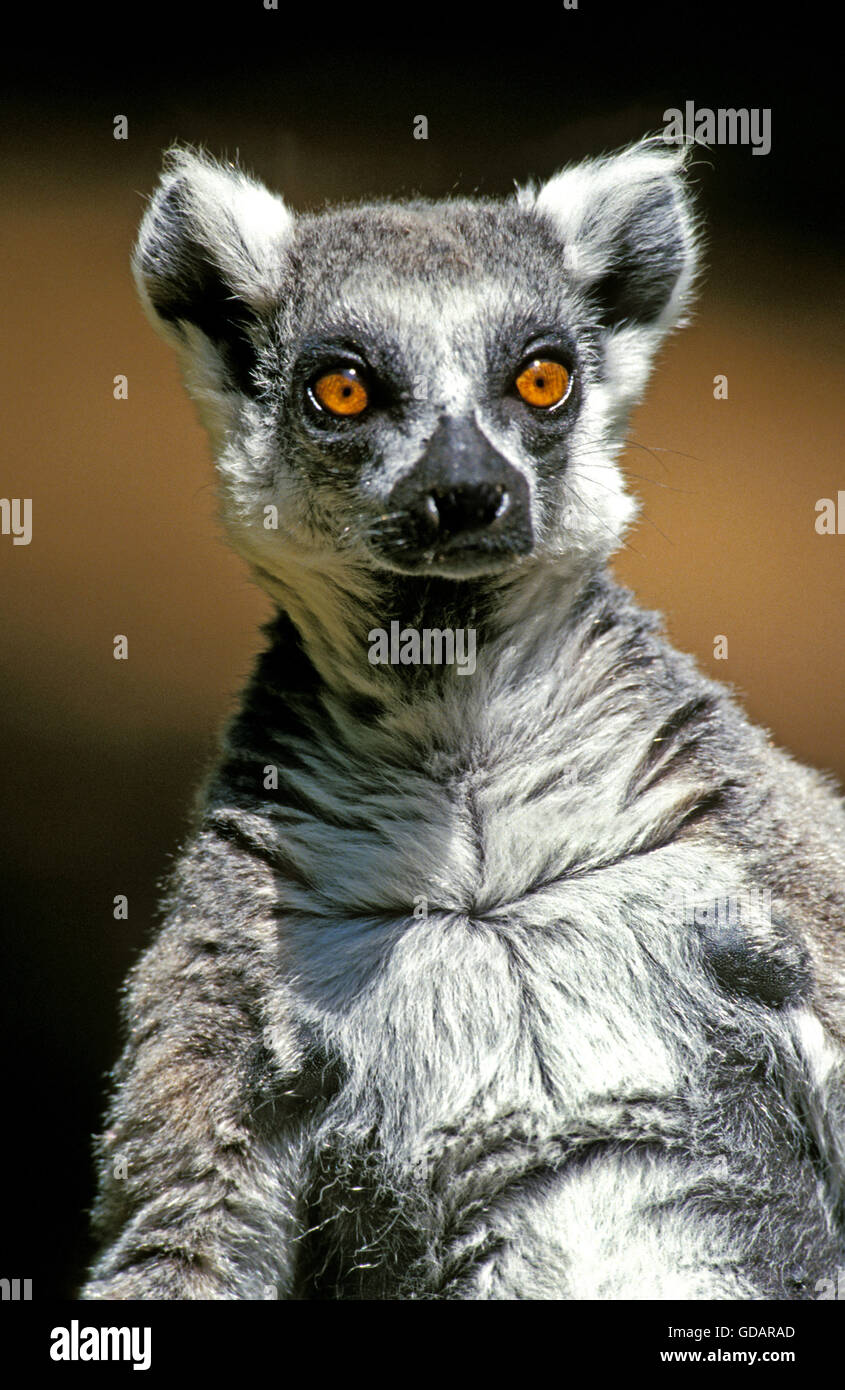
379	362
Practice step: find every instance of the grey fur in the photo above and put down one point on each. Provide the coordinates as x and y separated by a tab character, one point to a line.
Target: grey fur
560	1083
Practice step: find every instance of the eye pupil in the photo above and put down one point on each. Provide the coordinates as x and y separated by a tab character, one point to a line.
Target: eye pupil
341	392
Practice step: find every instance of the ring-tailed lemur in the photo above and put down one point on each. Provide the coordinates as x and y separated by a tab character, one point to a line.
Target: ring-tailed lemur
524	981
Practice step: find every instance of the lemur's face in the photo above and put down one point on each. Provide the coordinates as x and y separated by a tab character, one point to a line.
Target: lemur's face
428	388
432	381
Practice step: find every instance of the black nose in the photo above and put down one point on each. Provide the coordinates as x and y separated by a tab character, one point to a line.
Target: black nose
466	506
462	495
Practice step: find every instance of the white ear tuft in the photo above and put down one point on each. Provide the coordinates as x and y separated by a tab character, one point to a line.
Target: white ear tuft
628	230
212	256
243	226
210	227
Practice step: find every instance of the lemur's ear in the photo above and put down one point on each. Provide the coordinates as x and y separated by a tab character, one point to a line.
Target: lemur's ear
629	234
211	256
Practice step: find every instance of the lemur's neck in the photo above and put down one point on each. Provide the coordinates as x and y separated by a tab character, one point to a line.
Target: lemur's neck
384	640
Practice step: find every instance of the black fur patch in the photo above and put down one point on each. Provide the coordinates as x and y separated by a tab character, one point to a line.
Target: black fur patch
273	1099
648	261
672	747
773	973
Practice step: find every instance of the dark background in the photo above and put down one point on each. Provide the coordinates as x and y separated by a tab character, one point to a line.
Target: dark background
99	758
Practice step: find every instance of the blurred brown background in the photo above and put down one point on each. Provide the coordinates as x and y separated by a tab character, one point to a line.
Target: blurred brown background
101	757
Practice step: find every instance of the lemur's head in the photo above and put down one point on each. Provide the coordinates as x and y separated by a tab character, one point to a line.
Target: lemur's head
429	388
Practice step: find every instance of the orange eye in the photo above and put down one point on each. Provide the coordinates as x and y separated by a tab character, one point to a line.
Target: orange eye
342	392
543	383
